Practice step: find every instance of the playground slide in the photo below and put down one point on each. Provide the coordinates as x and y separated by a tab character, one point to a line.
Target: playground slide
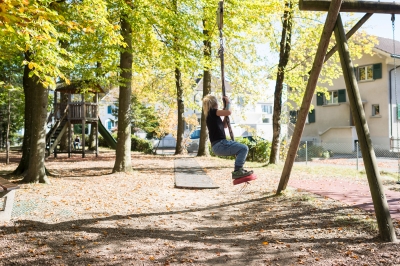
107	136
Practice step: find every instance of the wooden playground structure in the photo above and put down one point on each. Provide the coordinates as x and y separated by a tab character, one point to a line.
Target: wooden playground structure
71	108
334	24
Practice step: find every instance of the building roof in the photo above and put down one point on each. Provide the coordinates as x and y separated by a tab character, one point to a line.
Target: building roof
75	87
386	45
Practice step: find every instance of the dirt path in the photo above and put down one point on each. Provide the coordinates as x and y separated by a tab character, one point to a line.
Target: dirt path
88	216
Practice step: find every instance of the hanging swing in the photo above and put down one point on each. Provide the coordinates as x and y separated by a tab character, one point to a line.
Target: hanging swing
220	22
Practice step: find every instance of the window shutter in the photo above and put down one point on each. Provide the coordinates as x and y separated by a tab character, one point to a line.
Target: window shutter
377	69
342	96
311	116
398	112
293	117
320	99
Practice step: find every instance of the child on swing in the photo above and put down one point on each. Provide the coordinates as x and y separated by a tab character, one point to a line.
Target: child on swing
216	130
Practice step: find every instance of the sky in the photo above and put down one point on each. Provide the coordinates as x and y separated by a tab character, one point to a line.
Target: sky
381	24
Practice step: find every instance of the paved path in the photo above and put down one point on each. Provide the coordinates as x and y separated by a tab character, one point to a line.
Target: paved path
189	174
349	192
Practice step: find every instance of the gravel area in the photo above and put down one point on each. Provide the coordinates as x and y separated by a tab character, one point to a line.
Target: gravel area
89	216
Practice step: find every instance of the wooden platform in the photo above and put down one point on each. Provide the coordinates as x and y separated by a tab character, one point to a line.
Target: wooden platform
189	174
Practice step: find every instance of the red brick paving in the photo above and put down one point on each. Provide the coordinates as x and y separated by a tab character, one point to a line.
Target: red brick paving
350	192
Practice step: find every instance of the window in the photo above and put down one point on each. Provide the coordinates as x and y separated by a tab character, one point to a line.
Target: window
266	120
109	109
375	110
309	119
369	72
110	124
335	97
266	108
365	73
240	101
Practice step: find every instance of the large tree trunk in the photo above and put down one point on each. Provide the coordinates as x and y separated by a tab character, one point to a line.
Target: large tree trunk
36	172
123	152
284	54
203	149
181	108
38	99
29	102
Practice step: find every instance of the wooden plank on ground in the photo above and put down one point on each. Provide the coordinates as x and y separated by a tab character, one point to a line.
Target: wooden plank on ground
6	185
189	174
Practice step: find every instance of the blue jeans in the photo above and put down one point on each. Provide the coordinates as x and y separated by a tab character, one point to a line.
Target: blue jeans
227	148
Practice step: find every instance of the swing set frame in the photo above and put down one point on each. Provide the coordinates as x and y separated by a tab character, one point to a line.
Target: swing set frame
334	24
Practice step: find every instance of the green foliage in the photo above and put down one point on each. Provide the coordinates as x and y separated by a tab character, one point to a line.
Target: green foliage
284	148
103	142
78	129
142	145
144	118
259	149
262	151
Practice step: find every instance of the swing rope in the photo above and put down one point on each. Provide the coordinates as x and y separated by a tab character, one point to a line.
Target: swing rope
395	95
220	20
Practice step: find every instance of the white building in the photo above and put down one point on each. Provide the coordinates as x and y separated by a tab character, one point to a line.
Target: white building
247	119
106	106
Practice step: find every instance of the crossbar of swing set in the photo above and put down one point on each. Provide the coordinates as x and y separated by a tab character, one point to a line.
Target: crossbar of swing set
352	6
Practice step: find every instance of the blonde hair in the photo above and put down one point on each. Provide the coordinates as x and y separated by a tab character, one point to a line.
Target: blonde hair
209	101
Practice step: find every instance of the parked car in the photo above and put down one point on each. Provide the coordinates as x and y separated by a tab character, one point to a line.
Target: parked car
194	141
168	142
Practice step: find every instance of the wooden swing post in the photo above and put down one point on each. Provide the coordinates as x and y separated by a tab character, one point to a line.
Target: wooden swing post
364	138
309	93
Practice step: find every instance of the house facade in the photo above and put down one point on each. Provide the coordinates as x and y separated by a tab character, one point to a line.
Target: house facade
331	123
107	105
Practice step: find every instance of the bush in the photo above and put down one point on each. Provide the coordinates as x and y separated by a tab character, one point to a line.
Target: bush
313	151
262	151
259	149
141	145
102	142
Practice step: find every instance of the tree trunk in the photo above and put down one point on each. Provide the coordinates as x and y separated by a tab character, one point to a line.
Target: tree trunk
64	142
8	129
203	148
181	108
92	136
29	102
36	172
284	54
123	152
93	131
